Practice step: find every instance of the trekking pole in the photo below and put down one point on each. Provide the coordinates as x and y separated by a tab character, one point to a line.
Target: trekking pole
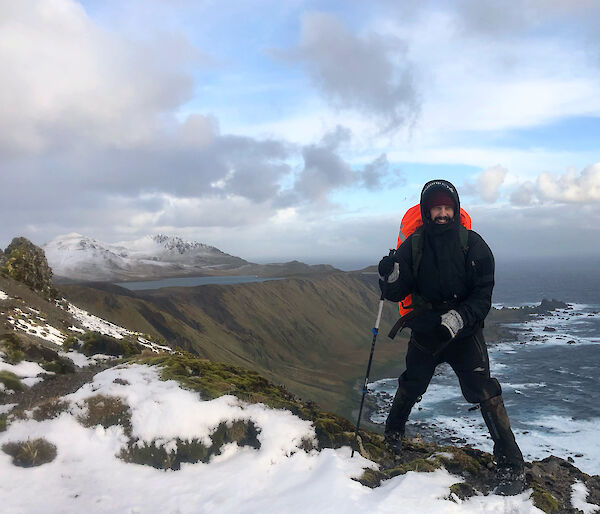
375	331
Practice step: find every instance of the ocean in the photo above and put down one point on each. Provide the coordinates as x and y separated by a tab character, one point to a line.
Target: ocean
549	372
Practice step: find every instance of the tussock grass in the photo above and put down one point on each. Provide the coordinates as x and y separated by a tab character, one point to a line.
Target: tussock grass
244	433
95	342
11	381
30	453
106	411
49	409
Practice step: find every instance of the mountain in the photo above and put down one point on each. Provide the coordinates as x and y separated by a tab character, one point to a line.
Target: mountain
76	257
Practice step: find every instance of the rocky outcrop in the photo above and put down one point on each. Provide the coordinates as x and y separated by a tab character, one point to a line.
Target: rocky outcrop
25	262
547	306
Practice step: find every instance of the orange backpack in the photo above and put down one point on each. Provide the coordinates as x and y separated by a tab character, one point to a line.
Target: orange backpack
411	221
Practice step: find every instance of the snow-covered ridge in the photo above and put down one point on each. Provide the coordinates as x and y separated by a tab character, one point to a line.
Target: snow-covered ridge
82	258
88	473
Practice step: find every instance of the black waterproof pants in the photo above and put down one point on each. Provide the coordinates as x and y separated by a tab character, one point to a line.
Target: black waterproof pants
469	359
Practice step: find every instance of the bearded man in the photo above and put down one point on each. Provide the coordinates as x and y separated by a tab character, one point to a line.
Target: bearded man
449	271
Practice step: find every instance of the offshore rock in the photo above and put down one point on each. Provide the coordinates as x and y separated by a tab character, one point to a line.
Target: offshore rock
25	262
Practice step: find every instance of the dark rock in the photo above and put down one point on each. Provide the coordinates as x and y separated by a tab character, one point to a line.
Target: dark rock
547	306
26	263
572	341
549	329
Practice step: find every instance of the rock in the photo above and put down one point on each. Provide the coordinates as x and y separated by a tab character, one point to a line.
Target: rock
547	306
26	263
549	329
572	341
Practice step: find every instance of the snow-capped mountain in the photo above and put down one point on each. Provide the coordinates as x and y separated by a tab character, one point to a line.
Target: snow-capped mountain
79	257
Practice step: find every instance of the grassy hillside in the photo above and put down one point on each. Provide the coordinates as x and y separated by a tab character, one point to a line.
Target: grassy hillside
311	334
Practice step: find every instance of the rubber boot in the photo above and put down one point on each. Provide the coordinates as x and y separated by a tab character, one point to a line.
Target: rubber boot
508	456
396	421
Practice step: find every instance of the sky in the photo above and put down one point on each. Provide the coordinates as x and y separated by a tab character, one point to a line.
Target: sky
300	129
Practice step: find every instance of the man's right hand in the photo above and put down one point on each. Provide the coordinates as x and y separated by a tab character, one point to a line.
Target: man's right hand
386	266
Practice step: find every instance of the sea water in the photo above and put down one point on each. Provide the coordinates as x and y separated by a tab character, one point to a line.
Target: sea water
549	372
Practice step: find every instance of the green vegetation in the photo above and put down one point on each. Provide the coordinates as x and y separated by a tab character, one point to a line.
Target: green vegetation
71	343
11	348
543	500
95	343
30	453
16	349
26	263
10	381
59	366
244	433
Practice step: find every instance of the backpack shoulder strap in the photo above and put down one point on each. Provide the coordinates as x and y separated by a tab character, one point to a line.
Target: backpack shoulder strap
417	250
463	235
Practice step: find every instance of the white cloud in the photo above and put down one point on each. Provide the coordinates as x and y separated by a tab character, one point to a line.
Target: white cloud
65	80
572	187
489	182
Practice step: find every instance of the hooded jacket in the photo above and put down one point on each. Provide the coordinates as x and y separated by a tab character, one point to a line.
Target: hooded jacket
447	278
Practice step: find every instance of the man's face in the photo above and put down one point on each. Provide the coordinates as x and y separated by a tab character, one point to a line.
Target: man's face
441	214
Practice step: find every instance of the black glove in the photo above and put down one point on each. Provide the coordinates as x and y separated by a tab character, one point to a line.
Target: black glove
443	334
386	266
428	322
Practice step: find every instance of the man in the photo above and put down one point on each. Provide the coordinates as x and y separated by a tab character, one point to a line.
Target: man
452	295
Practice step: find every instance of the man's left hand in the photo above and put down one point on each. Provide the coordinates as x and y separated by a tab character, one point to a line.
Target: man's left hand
450	324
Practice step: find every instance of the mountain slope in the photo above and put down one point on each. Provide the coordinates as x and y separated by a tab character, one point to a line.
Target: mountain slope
311	334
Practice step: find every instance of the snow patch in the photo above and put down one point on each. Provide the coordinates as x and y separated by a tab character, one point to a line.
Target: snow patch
579	494
7	407
3	295
24	369
96	324
25	321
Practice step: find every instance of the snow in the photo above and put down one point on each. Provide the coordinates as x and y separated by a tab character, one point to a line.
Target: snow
24	321
78	358
24	369
7	407
579	495
76	256
3	295
87	475
97	324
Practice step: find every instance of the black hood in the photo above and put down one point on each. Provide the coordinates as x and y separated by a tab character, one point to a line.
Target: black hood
439	185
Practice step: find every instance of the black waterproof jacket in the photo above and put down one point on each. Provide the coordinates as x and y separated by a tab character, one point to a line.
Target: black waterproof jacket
447	278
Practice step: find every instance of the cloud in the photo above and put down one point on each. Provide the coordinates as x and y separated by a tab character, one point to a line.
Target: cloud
487	18
324	171
489	182
571	187
368	73
67	81
548	230
523	195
